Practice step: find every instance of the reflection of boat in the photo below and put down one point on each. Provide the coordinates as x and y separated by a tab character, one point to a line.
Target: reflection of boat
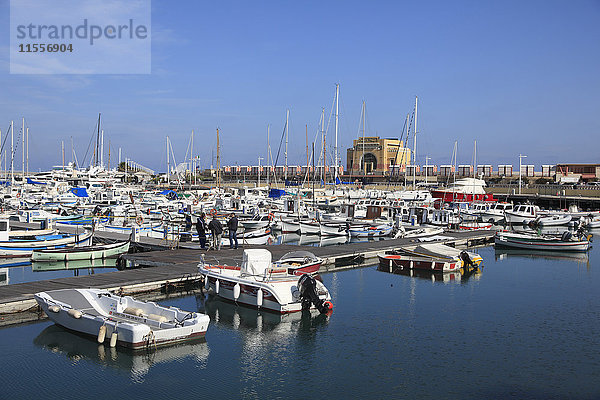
566	242
299	262
81	253
434	276
429	256
230	315
75	264
504	253
59	340
259	283
122	320
333	240
380	230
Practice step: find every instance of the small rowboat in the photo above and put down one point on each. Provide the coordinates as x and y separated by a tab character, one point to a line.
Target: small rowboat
121	320
82	253
533	241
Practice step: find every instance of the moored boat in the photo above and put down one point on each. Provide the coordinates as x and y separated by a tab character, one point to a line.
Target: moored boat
121	320
300	262
430	256
81	253
523	240
259	283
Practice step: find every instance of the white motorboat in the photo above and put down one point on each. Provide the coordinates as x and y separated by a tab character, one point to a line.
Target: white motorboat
289	225
553	220
260	283
430	256
533	241
521	214
121	320
495	213
370	231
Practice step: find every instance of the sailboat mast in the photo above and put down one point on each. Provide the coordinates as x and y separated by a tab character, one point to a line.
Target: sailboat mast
23	151
269	159
12	152
102	148
108	167
168	164
307	160
324	144
287	130
415	148
27	151
218	161
364	114
337	111
97	142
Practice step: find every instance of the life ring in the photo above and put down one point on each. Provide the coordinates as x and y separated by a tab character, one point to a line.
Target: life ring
271	216
18	194
213	212
139	219
195	202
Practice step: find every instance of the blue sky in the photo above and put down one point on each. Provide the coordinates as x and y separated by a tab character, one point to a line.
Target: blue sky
517	76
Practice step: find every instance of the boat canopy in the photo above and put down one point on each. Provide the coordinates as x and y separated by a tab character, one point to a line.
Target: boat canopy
79	192
256	261
169	194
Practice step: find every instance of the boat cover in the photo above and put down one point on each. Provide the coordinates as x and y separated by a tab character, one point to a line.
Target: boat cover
256	261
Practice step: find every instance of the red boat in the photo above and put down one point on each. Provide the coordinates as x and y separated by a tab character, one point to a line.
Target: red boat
467	189
299	262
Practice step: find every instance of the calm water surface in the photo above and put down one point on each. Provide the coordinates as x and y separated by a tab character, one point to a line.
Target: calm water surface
527	327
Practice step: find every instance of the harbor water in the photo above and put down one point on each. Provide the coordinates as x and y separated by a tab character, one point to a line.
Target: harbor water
526	327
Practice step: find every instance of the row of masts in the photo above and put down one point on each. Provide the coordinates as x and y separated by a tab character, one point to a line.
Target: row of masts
24	138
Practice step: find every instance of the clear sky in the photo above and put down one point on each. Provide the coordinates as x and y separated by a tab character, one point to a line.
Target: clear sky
516	76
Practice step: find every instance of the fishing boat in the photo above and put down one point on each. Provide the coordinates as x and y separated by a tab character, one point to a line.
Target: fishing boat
430	256
553	220
495	213
24	248
369	231
534	241
121	320
334	229
310	227
474	225
300	262
289	225
81	253
262	284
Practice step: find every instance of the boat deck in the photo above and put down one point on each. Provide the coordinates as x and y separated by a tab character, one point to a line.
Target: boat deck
180	267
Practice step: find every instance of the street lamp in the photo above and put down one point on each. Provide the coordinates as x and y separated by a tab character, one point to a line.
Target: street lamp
259	158
520	168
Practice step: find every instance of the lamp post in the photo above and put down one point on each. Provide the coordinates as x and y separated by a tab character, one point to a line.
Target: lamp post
426	165
259	158
520	168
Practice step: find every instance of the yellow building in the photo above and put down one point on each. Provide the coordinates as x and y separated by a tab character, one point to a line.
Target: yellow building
376	155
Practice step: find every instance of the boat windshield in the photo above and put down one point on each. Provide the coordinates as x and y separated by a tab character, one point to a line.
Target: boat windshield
297	254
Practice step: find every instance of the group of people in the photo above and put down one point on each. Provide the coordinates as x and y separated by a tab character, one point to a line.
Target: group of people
216	229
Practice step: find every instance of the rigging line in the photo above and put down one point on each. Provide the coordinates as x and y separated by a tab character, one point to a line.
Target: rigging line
5	138
89	144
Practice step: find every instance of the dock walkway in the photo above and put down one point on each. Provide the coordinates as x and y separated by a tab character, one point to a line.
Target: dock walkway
179	267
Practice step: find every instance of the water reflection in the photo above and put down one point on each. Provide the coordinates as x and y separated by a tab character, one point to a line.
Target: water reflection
137	363
461	276
72	265
502	254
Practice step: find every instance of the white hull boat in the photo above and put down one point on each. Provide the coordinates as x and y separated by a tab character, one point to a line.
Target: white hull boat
310	227
554	220
259	283
121	320
333	229
533	241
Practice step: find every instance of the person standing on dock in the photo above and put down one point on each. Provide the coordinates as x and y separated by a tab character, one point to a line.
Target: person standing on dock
201	229
217	232
232	226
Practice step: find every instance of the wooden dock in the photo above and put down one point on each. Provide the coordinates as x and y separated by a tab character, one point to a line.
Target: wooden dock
178	268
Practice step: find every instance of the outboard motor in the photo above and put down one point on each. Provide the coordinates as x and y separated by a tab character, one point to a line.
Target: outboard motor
466	259
308	293
566	236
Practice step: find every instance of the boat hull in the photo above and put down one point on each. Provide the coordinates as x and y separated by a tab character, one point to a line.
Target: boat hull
410	262
533	244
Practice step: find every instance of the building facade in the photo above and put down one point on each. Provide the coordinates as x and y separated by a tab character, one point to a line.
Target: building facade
373	155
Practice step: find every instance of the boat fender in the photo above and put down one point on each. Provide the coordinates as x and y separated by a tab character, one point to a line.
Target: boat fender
327	305
236	291
158	318
133	311
74	313
566	236
217	284
55	308
102	334
139	220
113	339
259	297
206	283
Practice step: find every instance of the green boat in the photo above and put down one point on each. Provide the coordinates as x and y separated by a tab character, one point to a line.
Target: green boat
81	253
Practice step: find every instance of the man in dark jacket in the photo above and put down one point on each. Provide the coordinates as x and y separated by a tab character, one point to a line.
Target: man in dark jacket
217	232
201	229
232	225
